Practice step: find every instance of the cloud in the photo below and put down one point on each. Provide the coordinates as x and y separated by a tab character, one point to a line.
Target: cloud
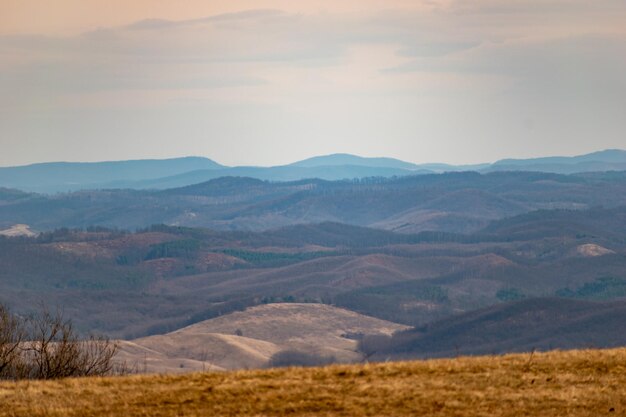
470	69
577	59
536	7
436	49
252	46
151	24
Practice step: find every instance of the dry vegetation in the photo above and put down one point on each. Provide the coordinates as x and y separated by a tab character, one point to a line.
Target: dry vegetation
298	333
47	347
574	383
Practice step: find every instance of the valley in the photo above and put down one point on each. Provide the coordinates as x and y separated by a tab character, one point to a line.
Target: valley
449	261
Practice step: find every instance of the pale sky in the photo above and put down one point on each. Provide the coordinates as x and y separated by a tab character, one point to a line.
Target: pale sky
269	82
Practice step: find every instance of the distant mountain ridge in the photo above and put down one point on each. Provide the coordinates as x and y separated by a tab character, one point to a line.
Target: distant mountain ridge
462	202
179	172
279	173
607	160
67	176
348	159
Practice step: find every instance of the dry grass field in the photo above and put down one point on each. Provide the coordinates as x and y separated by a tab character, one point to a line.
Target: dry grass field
572	383
248	339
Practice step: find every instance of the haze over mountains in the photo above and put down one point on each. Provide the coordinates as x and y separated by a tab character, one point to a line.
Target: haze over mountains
492	261
170	173
461	202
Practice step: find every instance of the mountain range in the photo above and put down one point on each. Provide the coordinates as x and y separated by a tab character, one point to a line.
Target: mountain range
256	272
156	280
461	202
170	173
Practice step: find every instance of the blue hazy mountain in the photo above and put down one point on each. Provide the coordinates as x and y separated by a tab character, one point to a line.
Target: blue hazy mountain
179	172
607	160
169	173
67	176
279	173
354	160
339	159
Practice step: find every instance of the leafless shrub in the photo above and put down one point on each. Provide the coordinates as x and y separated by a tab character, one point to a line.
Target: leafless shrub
11	337
47	347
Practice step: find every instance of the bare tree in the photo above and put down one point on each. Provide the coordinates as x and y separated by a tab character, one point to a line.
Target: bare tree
97	355
47	346
55	351
11	337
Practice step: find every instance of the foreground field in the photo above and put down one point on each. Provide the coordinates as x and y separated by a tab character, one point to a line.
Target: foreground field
574	383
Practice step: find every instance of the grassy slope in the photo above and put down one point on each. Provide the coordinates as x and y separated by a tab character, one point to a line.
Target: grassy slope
575	383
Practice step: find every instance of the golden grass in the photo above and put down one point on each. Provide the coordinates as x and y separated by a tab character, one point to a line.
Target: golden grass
573	383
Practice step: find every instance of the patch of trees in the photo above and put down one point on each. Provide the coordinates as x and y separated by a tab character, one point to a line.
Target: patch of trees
46	346
510	294
398	302
275	259
10	194
185	248
602	288
88	234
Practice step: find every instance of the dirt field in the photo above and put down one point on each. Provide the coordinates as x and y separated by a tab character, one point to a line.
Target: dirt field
575	383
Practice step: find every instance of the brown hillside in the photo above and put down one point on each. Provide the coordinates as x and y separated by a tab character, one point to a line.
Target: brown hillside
249	338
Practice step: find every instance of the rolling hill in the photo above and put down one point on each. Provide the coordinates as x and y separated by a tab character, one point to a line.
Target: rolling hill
522	326
162	278
453	202
249	339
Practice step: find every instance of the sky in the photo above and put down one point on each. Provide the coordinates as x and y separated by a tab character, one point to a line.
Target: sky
270	82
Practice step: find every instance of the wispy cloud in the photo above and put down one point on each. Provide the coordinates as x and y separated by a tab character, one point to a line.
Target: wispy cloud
322	75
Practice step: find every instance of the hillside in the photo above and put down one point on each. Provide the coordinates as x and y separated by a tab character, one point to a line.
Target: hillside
555	223
454	202
163	278
523	326
279	173
248	339
18	230
573	383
